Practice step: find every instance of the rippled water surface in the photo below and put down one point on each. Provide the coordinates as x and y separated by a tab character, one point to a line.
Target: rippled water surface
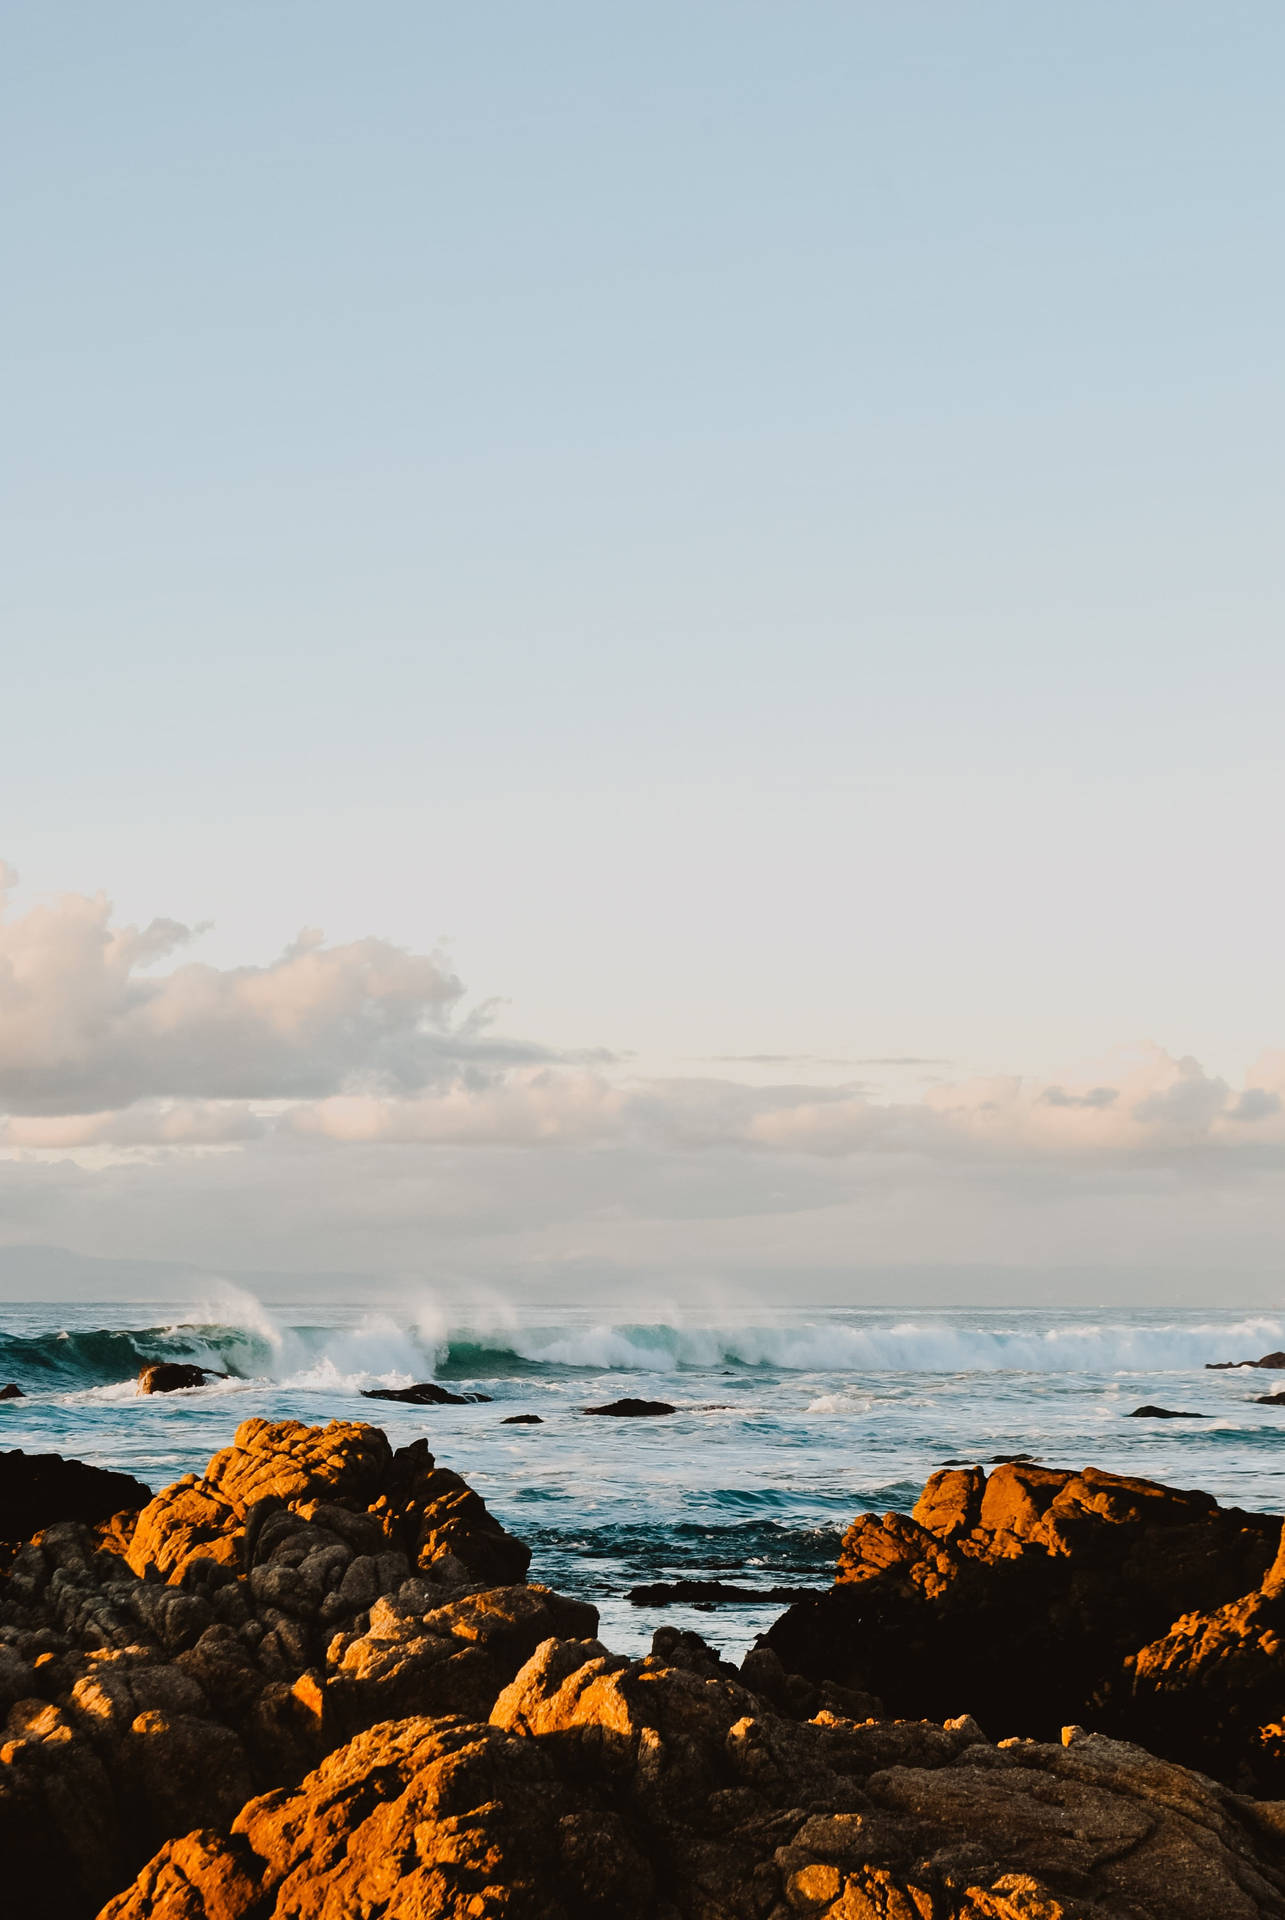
789	1423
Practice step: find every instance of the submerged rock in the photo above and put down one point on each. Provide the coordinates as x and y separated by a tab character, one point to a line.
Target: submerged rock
633	1409
713	1593
426	1393
1162	1413
172	1376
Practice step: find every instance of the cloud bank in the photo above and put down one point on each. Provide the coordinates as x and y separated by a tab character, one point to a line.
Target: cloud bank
345	1096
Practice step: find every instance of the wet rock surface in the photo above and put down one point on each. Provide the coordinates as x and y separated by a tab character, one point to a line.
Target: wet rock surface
425	1393
1163	1413
632	1409
12	1392
1038	1596
1276	1360
713	1593
174	1376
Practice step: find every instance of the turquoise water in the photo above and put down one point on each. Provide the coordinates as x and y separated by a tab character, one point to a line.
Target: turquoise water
789	1423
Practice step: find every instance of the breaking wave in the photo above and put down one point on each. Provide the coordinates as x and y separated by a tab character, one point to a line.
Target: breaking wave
380	1348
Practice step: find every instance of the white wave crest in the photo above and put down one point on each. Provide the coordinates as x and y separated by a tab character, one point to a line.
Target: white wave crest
921	1346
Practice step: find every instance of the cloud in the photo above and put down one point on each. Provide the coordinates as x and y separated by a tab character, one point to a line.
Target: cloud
1161	1107
1095	1097
824	1060
345	1097
85	1025
1256	1103
166	1123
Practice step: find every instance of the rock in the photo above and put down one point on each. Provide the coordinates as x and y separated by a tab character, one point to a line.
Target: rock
632	1409
158	1669
420	1511
522	1420
1269	1400
455	1658
607	1789
172	1376
1028	1596
12	1392
426	1394
1276	1360
37	1489
1162	1413
713	1593
339	1714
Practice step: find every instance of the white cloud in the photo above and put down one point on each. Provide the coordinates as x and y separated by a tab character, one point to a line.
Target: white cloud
336	1103
161	1123
1153	1105
85	1026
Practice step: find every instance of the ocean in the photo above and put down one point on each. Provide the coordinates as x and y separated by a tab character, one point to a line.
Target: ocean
789	1423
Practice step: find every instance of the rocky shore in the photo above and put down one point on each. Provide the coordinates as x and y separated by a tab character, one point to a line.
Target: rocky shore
315	1681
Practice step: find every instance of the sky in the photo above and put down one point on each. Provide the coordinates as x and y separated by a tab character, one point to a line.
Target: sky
643	645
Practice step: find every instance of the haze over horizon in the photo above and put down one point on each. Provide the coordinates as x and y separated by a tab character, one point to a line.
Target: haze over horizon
645	648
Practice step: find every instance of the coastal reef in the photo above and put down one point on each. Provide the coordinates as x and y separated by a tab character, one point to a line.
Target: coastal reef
315	1682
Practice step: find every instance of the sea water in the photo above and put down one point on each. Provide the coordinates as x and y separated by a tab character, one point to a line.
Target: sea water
789	1423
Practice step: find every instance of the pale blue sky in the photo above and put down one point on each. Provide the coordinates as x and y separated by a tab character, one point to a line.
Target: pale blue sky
760	522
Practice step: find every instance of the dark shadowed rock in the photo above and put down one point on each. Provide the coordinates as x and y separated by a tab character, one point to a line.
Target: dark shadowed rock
714	1593
172	1376
1269	1400
522	1420
12	1392
39	1489
632	1409
426	1393
1031	1597
1276	1360
1162	1413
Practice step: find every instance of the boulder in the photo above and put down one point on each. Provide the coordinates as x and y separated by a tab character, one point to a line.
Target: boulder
1276	1360
607	1789
420	1511
160	1668
172	1376
1028	1597
426	1393
632	1409
522	1420
1269	1400
12	1392
37	1489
